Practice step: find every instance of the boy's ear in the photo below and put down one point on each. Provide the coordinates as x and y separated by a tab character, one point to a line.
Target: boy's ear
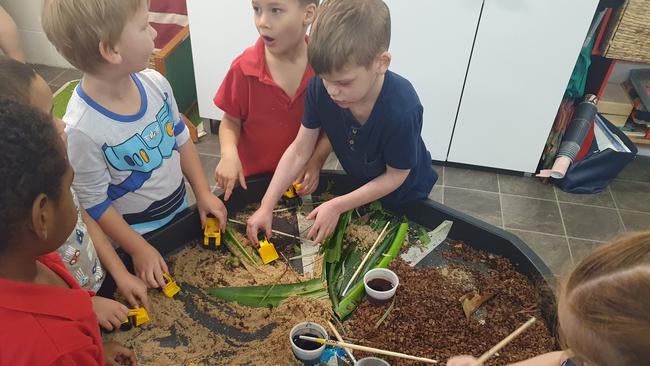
40	216
311	11
383	62
109	53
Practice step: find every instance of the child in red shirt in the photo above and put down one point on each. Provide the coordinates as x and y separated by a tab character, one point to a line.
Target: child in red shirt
47	318
262	95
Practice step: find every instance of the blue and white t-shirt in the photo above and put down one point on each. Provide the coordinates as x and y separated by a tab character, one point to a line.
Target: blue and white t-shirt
130	162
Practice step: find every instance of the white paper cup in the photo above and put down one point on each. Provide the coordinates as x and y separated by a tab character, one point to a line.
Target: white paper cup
380	297
372	361
306	328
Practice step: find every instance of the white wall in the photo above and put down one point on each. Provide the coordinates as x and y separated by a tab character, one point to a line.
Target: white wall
38	49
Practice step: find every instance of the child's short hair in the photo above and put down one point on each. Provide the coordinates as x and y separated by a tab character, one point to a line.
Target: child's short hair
307	2
34	162
15	80
604	305
76	27
348	32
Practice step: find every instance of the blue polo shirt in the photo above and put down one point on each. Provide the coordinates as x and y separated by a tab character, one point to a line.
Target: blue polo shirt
391	136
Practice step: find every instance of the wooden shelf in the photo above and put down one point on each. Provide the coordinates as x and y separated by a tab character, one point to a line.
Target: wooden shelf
639	141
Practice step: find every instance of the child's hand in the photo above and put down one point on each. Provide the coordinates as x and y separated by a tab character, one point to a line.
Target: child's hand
461	361
133	290
208	203
325	219
117	355
226	174
262	219
110	313
308	178
149	265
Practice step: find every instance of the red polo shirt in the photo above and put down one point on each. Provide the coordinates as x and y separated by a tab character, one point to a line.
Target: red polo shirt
270	119
48	325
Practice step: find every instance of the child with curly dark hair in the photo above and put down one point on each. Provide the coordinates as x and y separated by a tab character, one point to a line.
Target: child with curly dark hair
47	318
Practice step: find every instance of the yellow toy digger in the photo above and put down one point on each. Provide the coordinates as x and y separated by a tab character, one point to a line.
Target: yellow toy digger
136	318
290	198
171	287
211	231
267	249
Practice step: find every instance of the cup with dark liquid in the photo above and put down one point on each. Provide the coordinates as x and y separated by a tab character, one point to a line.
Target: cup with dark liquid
306	351
380	284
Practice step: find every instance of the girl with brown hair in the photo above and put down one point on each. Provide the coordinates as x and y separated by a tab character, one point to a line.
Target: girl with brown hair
603	309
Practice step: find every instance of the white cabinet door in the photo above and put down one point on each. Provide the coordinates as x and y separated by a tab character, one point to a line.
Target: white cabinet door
523	57
431	44
220	30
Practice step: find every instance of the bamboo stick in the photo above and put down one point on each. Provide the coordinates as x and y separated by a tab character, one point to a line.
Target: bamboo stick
275	231
504	342
338	337
367	349
365	258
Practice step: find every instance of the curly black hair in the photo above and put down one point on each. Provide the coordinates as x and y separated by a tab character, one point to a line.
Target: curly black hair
34	162
15	80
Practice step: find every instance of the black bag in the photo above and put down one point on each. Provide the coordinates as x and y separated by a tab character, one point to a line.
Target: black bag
599	168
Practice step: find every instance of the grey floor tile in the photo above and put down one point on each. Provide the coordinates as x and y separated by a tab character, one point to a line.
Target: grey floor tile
472	179
593	223
531	214
209	144
638	170
49	73
603	199
636	221
209	163
332	163
440	170
634	196
580	249
482	205
67	75
525	186
436	194
554	250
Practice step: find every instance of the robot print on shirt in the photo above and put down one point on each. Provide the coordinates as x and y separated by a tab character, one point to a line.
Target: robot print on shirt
144	152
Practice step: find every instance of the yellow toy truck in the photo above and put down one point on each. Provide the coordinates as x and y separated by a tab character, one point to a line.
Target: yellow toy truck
171	287
290	198
136	318
211	231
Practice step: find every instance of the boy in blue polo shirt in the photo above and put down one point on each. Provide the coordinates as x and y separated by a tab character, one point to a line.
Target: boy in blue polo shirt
372	117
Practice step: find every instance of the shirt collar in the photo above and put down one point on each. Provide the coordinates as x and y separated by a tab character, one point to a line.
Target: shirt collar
254	63
44	299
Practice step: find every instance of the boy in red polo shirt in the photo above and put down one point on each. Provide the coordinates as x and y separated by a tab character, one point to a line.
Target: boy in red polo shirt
46	317
262	95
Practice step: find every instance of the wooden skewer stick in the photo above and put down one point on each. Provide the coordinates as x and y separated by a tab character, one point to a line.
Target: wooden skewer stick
367	349
372	249
338	336
275	231
504	342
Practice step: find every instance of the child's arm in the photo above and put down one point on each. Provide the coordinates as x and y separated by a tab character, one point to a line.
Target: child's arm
148	264
229	169
547	359
205	200
110	313
131	287
309	177
326	215
293	159
9	38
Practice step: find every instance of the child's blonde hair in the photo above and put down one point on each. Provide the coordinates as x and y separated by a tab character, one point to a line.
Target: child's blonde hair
348	32
604	307
76	27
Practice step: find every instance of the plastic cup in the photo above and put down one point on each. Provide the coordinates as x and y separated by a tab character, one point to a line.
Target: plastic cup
380	297
372	361
308	357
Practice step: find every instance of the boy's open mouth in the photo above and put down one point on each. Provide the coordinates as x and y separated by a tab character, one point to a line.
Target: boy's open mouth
268	39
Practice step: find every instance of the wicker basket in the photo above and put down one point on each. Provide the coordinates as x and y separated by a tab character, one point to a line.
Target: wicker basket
629	37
